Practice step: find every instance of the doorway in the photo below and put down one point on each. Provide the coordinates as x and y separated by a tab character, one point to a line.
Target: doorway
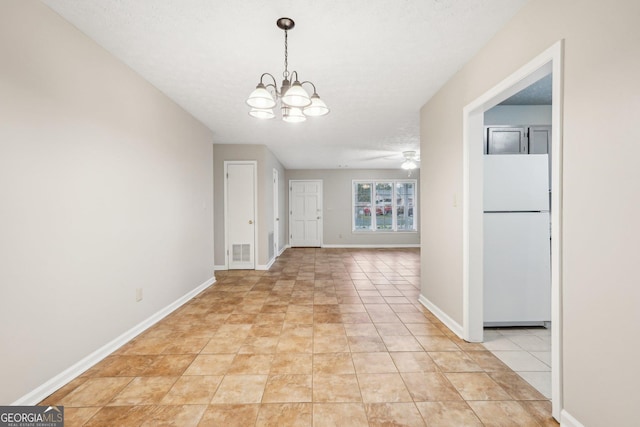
276	214
549	61
240	214
305	213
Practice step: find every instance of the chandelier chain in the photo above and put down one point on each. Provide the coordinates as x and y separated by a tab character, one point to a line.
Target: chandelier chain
286	56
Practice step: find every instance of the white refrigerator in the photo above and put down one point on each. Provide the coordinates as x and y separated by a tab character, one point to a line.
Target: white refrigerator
517	246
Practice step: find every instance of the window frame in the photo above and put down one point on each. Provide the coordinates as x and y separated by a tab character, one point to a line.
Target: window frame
373	205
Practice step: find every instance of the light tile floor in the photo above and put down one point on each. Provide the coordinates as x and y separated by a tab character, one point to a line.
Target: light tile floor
326	337
525	350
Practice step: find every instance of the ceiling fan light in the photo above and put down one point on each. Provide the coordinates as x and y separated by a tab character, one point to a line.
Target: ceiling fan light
408	165
292	115
316	108
261	98
262	113
296	96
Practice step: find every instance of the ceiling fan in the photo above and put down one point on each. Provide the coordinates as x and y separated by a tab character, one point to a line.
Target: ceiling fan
396	156
411	160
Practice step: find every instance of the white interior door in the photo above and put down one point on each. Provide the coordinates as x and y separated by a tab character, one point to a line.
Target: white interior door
240	214
305	213
276	213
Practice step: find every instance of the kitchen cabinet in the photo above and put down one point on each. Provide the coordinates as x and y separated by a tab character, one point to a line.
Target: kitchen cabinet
519	139
539	139
506	140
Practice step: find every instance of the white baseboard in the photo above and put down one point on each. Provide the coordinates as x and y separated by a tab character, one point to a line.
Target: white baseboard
567	420
284	248
267	266
375	246
44	390
220	267
455	327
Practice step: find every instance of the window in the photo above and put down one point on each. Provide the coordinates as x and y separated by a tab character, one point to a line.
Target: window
384	205
362	206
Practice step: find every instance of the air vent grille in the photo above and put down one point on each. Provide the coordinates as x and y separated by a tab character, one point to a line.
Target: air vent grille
241	252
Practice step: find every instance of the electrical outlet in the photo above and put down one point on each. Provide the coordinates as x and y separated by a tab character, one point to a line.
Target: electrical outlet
138	294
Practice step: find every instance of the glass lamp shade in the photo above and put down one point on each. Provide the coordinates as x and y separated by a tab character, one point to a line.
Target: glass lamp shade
261	98
262	113
296	96
408	165
292	115
317	107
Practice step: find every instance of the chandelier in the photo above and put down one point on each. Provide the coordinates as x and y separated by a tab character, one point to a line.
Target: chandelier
295	103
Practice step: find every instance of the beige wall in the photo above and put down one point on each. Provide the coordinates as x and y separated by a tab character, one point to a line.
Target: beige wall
601	191
266	163
105	187
337	193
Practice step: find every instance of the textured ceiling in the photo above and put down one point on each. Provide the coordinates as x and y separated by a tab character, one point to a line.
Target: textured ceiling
538	93
374	62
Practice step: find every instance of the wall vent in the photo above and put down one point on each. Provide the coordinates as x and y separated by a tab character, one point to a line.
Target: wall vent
241	252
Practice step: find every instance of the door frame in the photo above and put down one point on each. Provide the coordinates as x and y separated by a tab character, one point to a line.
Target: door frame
276	213
227	249
289	209
472	217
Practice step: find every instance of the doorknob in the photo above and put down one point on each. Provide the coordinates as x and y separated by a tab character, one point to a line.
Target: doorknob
250	222
318	218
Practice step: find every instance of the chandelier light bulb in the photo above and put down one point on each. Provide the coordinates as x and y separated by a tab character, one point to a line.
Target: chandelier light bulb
292	115
296	96
316	108
261	98
262	113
